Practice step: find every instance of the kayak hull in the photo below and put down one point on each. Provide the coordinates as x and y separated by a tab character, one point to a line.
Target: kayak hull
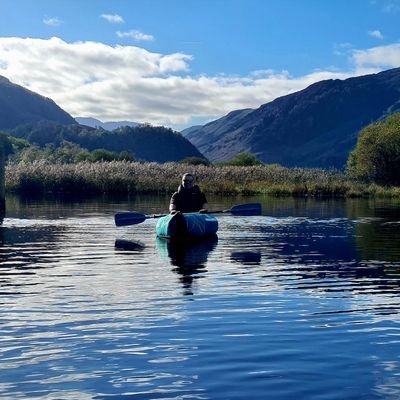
187	226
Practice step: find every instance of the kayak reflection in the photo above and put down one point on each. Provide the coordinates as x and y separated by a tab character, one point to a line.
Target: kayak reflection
186	253
187	257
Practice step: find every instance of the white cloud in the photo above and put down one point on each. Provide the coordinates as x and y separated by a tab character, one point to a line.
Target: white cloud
54	21
135	35
130	83
113	18
378	57
375	34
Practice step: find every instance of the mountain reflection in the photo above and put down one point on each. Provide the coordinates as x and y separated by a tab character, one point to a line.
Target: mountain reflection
21	244
24	250
343	249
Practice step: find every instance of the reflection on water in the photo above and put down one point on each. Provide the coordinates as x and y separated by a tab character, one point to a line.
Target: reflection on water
129	245
246	257
188	257
379	239
188	252
302	302
25	248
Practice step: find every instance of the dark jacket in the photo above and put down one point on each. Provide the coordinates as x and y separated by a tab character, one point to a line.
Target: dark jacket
188	200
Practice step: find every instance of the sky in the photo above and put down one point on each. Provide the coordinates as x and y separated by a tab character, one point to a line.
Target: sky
180	63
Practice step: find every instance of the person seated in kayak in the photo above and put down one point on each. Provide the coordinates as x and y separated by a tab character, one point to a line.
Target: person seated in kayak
188	198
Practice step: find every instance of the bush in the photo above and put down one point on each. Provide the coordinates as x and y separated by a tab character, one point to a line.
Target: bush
103	155
376	157
243	159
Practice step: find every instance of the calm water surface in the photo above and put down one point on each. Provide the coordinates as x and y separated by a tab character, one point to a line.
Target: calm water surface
300	303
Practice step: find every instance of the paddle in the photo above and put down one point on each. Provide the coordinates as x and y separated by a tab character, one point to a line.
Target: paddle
134	218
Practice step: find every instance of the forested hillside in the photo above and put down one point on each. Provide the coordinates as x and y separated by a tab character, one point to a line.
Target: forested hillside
145	142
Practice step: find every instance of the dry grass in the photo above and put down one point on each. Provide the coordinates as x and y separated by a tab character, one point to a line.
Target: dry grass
132	177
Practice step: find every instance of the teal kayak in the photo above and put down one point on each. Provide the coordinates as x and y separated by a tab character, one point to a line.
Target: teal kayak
187	226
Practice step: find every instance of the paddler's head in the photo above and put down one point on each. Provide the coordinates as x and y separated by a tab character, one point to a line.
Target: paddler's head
187	181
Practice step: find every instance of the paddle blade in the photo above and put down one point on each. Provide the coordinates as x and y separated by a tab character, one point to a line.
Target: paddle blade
246	209
128	218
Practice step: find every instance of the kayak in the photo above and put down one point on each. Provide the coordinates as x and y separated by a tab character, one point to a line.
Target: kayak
187	226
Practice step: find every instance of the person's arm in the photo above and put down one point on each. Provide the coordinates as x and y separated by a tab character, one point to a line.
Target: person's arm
204	208
172	203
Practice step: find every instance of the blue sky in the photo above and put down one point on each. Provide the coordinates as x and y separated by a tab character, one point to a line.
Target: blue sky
183	62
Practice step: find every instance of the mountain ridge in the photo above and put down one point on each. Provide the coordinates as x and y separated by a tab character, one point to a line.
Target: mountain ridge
314	127
19	105
107	125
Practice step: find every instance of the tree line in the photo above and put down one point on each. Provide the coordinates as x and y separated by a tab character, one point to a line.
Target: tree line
144	142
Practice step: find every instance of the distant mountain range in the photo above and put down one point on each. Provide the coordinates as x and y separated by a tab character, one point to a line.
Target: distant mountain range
315	127
108	126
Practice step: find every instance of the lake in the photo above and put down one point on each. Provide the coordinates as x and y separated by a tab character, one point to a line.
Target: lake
302	302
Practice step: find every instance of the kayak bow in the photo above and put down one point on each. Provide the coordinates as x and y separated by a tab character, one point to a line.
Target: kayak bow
186	226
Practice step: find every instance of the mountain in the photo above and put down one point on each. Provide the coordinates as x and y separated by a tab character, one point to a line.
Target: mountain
315	127
19	105
42	122
109	126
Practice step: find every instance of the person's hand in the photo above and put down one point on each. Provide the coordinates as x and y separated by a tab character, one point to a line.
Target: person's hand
203	211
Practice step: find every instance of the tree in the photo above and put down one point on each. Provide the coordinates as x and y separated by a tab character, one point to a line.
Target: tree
82	156
6	145
126	156
195	161
103	155
243	159
376	157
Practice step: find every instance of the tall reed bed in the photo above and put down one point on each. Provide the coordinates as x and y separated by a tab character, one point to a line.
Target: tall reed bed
2	178
133	177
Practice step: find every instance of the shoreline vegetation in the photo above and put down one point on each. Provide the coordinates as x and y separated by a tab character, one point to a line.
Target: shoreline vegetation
127	177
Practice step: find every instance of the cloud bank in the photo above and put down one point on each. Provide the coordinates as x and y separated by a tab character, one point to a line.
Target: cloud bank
112	83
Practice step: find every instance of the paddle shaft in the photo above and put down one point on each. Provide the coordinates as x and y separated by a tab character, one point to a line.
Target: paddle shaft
134	218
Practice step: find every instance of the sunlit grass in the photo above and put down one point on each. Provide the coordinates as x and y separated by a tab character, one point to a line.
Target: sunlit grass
134	177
